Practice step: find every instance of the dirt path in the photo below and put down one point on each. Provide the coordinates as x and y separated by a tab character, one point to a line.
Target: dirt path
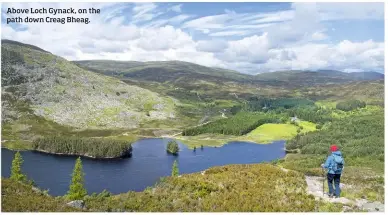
173	135
314	187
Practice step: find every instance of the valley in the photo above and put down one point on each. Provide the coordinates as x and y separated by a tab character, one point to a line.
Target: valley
239	135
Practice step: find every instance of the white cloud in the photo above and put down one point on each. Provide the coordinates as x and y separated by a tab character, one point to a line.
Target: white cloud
164	38
252	49
179	18
247	42
212	46
177	8
162	22
351	10
144	12
229	33
318	36
208	22
273	17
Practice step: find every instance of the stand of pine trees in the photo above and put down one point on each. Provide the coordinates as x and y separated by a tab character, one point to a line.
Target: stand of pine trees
350	105
239	124
91	147
172	147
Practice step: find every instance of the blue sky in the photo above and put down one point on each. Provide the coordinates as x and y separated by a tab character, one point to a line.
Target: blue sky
247	37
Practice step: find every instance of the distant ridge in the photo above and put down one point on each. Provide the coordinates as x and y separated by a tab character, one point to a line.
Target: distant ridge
5	41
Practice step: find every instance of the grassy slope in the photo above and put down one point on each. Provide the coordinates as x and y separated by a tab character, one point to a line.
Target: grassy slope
360	136
62	99
270	132
372	91
126	67
232	188
91	100
368	91
18	197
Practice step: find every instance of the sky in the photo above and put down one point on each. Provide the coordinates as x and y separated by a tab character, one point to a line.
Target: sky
247	37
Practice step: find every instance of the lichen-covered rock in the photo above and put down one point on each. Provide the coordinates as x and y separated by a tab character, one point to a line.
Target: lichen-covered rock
77	204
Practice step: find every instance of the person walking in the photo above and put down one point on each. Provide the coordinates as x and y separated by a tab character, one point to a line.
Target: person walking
335	165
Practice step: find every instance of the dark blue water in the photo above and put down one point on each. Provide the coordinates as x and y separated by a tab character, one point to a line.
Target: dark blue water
148	163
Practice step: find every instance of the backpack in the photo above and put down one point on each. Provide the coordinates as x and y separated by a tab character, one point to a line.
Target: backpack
338	163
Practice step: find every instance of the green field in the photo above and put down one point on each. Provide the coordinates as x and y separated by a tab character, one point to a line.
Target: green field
269	132
307	126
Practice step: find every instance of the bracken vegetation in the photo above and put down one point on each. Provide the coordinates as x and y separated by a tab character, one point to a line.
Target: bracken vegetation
20	197
90	147
233	188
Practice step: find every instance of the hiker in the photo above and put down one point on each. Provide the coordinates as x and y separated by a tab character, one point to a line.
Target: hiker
335	164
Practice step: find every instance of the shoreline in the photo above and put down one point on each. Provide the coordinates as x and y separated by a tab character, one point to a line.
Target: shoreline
126	155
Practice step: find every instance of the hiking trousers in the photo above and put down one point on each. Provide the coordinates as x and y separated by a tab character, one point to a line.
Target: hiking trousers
336	178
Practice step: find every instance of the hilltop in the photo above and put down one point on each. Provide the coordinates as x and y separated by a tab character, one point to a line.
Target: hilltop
170	71
193	82
303	78
130	68
41	88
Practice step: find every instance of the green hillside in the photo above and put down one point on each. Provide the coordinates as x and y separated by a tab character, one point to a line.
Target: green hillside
42	92
124	68
232	188
19	197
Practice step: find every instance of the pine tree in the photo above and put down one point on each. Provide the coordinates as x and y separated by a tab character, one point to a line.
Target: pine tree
175	170
172	147
77	190
16	169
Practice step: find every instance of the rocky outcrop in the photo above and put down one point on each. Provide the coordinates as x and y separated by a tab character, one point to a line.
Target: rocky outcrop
80	204
60	91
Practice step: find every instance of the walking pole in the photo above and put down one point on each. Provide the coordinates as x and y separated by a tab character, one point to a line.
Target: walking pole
323	183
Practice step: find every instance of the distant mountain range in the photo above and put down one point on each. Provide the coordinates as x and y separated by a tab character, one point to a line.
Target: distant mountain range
355	75
320	76
149	70
162	71
43	93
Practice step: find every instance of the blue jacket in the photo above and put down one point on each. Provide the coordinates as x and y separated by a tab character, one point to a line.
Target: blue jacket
330	163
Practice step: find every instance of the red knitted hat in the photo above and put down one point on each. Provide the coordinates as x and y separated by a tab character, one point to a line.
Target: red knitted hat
333	148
